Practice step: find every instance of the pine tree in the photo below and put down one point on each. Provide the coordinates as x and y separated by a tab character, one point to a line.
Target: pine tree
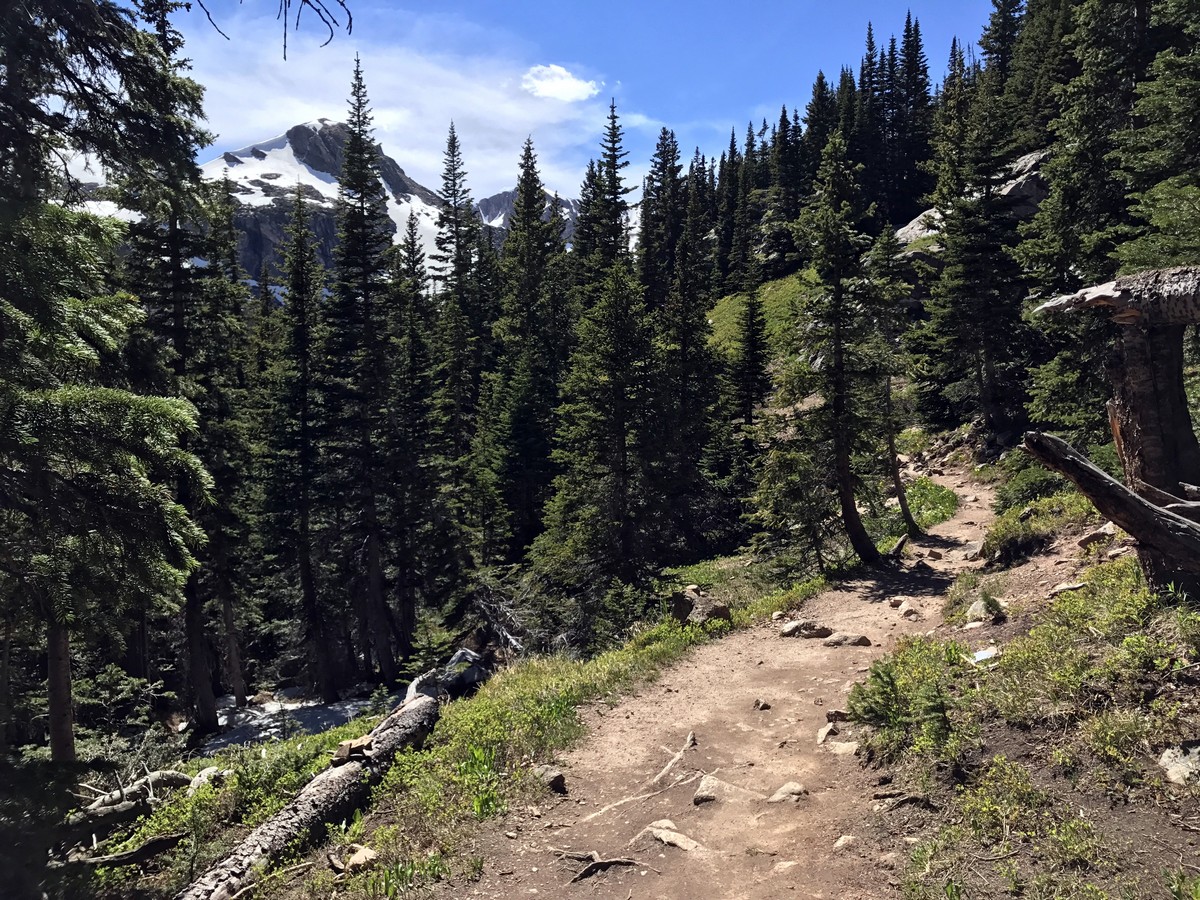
355	377
526	392
602	232
832	223
744	272
726	199
161	183
886	289
820	121
292	464
1161	156
867	140
599	524
421	544
750	381
688	386
1072	239
912	134
663	211
974	347
90	523
216	385
999	40
1041	64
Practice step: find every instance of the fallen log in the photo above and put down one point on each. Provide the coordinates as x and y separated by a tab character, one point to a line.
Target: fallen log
1167	532
80	825
143	788
332	796
135	857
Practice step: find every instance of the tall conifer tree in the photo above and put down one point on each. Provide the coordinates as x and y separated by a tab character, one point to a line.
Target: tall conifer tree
355	378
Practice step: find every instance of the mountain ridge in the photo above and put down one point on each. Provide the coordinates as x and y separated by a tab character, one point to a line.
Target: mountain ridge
308	157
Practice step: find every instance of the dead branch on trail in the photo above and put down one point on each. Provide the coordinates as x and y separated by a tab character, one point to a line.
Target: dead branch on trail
598	865
688	744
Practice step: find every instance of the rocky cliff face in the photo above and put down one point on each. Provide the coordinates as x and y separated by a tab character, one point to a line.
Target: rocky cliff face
497	210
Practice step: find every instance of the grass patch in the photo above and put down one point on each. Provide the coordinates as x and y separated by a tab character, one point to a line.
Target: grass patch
1012	838
930	503
908	699
969	587
1017	533
1098	678
913	441
738	580
781	301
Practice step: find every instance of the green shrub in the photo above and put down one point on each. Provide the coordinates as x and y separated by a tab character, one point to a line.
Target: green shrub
930	503
1115	735
1183	886
1019	532
907	699
1029	484
1003	804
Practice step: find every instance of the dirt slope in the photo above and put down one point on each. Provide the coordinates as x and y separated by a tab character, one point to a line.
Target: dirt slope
750	849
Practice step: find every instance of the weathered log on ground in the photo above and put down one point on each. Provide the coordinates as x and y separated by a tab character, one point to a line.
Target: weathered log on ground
1169	534
332	796
135	857
142	789
87	822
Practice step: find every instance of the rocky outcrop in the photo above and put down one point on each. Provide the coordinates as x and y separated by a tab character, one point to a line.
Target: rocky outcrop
497	210
1025	190
263	232
324	148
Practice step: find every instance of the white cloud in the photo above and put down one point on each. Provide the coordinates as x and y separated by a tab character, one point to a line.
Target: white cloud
556	83
416	90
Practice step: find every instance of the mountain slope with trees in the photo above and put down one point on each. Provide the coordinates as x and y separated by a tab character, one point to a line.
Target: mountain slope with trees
211	487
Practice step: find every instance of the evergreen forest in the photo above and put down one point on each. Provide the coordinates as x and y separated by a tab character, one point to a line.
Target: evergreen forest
217	483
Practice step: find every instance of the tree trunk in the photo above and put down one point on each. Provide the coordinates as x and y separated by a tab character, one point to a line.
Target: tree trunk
6	684
851	521
406	592
377	614
233	655
314	620
199	664
332	796
1151	423
58	679
910	524
223	578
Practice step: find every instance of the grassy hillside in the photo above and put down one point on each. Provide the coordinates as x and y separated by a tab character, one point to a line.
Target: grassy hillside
781	299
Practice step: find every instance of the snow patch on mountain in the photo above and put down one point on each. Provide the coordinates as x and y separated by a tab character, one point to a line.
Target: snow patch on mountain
308	157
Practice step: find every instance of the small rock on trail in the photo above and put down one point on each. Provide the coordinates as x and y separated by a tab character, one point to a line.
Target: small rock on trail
712	789
805	629
842	639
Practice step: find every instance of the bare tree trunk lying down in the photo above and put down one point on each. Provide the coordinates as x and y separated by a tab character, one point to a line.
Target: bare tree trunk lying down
1163	530
332	796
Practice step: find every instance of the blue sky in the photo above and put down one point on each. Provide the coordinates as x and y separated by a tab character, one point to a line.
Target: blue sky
503	70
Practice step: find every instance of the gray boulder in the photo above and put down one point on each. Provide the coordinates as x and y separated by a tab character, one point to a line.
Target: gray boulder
1181	765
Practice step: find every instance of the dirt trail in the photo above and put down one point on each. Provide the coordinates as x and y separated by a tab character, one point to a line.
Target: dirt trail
750	849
